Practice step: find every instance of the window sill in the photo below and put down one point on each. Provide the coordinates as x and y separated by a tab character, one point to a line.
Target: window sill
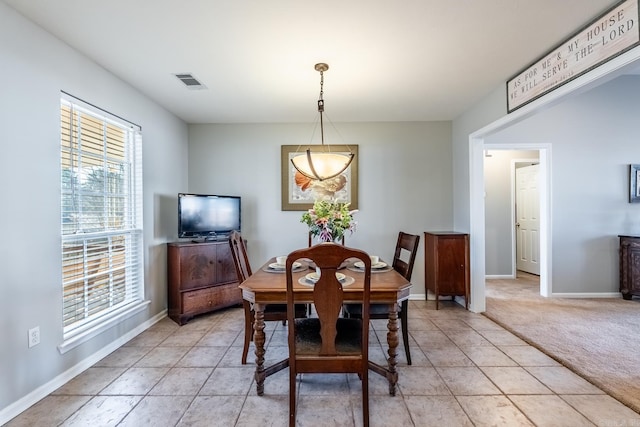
76	338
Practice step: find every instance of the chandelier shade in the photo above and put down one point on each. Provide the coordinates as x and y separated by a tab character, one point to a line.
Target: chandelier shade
323	164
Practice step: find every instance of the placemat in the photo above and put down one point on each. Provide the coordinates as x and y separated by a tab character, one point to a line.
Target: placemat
302	267
348	280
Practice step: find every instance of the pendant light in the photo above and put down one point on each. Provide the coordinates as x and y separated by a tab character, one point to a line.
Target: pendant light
322	164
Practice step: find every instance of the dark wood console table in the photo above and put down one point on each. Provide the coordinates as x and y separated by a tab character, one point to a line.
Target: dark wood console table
629	266
446	264
202	277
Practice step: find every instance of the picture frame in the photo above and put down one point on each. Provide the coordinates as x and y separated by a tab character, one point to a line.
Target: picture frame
634	183
299	195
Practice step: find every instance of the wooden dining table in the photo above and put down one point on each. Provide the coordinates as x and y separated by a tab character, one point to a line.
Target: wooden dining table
268	286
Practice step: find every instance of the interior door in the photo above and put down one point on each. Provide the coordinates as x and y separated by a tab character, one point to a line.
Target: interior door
527	219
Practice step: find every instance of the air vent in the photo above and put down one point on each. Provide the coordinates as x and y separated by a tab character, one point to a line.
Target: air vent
190	81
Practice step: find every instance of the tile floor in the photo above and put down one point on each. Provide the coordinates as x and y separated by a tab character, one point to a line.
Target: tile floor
467	371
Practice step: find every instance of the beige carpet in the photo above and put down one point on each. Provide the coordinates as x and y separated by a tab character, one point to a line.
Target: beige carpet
599	339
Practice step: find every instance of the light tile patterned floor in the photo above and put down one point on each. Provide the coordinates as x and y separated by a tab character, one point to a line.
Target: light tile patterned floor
467	371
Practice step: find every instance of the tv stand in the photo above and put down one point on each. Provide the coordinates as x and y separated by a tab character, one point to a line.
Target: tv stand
208	239
201	277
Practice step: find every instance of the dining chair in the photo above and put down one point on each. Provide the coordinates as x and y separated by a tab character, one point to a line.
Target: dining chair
403	260
328	343
272	312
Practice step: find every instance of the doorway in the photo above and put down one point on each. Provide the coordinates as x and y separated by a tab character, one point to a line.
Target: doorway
511	205
474	206
478	150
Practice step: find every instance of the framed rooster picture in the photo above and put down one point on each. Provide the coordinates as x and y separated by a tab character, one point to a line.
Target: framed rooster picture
299	192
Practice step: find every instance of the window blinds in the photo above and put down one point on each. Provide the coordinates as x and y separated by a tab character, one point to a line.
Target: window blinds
101	215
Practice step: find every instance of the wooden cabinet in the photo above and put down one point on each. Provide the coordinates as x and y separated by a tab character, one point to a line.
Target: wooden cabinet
446	264
202	277
629	266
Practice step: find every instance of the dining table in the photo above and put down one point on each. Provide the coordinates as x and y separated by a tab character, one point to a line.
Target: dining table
268	285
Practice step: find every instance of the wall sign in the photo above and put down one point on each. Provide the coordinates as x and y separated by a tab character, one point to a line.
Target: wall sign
610	35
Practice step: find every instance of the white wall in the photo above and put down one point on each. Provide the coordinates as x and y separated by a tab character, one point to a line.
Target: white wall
404	182
34	68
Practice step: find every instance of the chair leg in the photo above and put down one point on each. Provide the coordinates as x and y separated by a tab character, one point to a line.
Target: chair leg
405	329
292	397
248	335
365	398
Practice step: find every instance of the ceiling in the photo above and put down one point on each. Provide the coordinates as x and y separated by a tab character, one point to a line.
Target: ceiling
415	60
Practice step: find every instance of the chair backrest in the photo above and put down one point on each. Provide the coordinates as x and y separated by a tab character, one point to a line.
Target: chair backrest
240	258
328	295
409	243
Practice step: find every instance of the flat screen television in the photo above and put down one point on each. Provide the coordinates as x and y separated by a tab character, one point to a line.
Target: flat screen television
207	215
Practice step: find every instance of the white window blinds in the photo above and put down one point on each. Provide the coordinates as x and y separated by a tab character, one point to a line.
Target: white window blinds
101	220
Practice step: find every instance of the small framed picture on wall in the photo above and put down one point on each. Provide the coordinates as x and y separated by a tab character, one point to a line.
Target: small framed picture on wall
634	183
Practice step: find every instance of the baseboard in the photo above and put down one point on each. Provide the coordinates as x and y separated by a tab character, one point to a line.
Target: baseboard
500	276
431	297
14	409
587	295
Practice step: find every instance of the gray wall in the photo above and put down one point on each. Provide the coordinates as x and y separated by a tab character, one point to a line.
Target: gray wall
411	179
487	110
34	68
404	175
594	137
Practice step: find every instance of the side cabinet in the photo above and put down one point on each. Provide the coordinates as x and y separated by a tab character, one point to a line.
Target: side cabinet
629	266
201	277
446	264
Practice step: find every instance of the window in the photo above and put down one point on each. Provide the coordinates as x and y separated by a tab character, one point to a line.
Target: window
101	216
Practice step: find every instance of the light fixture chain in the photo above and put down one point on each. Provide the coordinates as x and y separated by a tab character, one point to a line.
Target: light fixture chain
321	165
321	106
321	84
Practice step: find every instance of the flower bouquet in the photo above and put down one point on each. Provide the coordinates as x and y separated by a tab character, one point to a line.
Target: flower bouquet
329	220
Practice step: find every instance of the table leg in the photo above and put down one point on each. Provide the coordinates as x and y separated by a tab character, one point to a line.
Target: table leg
259	340
392	340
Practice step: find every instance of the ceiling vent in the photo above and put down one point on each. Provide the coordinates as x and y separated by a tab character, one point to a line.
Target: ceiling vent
189	81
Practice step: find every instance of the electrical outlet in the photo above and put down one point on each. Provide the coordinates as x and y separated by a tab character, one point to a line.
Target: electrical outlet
34	336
